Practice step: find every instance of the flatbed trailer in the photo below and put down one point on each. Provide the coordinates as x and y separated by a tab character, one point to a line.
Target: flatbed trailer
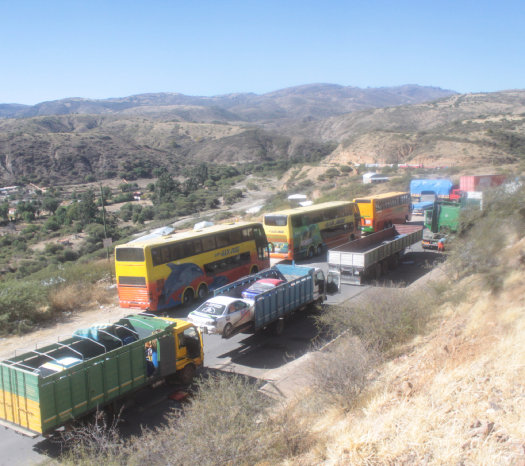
369	257
47	388
302	286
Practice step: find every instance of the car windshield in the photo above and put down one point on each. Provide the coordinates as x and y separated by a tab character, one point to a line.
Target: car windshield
214	309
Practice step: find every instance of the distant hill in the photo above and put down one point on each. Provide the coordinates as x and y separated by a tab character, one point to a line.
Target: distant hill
312	101
137	138
461	129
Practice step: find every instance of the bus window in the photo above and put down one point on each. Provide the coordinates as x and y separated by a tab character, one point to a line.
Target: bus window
275	220
208	243
130	254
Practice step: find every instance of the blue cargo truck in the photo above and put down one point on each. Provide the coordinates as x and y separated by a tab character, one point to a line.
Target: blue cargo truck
300	287
424	192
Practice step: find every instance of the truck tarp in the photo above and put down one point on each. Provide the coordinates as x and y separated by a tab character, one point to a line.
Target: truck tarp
441	187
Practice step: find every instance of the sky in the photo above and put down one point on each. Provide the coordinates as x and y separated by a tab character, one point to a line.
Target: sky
54	49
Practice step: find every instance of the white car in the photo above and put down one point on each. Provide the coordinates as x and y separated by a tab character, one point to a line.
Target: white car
222	315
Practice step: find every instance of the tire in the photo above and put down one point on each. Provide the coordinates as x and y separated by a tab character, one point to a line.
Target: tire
378	271
228	330
278	327
319	250
254	269
394	262
187	296
186	375
202	293
310	252
384	267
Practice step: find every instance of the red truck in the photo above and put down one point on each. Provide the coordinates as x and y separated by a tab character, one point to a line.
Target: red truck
469	183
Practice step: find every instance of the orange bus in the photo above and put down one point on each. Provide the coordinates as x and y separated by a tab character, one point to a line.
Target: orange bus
306	231
159	273
383	210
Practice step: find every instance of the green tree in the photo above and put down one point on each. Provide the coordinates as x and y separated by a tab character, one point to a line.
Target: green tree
4	211
50	204
87	209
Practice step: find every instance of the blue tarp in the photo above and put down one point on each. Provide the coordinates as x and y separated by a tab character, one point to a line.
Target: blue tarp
441	187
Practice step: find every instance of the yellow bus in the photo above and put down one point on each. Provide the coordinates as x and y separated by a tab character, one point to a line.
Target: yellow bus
306	231
383	210
159	273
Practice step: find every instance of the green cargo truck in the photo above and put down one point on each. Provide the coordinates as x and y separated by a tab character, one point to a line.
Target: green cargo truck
441	220
46	388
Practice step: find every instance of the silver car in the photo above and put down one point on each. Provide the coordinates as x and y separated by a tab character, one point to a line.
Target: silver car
222	315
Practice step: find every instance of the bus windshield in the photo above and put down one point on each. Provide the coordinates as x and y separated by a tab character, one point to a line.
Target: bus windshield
276	220
129	254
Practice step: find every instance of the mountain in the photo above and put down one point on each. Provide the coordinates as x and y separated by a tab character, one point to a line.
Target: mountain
136	135
460	129
312	101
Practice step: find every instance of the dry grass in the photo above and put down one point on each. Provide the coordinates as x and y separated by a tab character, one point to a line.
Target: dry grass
457	398
77	296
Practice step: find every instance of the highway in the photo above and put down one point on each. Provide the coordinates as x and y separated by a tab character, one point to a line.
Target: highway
250	355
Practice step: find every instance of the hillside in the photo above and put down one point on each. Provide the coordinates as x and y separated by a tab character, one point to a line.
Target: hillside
469	130
459	130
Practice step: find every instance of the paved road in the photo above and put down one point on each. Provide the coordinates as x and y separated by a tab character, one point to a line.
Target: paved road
251	355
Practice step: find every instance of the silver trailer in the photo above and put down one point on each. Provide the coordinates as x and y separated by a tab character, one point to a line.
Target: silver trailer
370	256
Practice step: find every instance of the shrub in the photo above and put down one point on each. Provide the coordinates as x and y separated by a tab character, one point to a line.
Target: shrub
342	372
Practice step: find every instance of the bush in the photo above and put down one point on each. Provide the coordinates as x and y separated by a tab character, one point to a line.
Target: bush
21	306
226	423
341	373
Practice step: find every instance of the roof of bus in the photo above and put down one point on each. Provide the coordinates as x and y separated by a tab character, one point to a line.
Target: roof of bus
310	208
381	196
187	234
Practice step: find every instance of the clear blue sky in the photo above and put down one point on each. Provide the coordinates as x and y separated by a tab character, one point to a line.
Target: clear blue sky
51	49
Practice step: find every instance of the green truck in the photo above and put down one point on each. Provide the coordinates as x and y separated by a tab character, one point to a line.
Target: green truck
441	220
44	389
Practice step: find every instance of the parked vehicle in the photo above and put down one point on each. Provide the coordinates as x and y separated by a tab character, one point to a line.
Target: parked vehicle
308	231
160	272
371	256
480	182
300	287
49	387
424	192
383	210
260	286
222	315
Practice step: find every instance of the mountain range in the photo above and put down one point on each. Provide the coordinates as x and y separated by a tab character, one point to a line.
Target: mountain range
69	140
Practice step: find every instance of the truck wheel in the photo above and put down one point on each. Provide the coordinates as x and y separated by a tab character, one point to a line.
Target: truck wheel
187	296
228	330
378	271
203	292
394	261
278	327
186	375
310	252
319	250
384	267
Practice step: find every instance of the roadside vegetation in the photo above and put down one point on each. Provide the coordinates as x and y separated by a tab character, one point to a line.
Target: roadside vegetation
427	374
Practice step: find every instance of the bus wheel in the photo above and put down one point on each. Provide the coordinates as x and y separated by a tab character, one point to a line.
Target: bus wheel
319	250
254	269
188	296
203	292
